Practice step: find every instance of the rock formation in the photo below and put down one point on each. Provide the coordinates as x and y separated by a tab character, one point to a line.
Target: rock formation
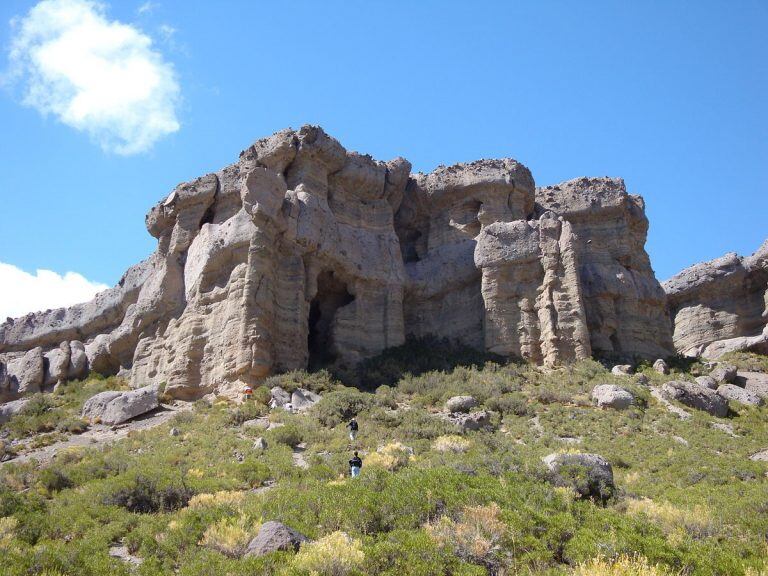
721	305
302	254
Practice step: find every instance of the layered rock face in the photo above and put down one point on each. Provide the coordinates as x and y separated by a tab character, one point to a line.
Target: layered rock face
302	254
721	305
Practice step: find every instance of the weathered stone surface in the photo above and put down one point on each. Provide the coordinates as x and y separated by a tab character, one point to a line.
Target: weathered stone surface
113	407
612	396
279	397
738	394
622	370
57	364
26	373
707	382
460	403
721	305
274	536
303	399
466	422
755	382
590	475
10	409
303	254
724	373
695	396
661	366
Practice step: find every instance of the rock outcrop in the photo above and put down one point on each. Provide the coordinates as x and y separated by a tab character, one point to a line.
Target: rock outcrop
590	475
302	254
115	407
721	305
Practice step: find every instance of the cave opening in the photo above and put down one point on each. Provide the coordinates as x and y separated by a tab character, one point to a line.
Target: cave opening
332	294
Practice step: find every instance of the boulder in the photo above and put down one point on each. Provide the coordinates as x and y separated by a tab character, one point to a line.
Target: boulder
590	475
78	361
707	382
761	456
754	382
57	364
661	366
460	404
303	399
642	380
472	421
275	536
279	397
114	407
724	373
737	394
612	396
27	372
10	409
622	370
259	444
695	396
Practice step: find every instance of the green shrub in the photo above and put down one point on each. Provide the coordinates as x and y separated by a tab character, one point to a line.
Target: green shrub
253	472
341	405
54	480
248	410
512	403
144	497
289	434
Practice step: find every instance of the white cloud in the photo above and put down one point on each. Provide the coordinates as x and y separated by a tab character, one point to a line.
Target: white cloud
22	292
146	8
98	76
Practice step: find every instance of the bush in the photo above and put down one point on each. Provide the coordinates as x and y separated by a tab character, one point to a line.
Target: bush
247	411
476	536
341	405
512	403
253	472
72	425
333	555
289	435
54	480
144	497
451	443
622	566
230	536
391	457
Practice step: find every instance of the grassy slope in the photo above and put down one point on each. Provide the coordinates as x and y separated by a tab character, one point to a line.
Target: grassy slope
700	508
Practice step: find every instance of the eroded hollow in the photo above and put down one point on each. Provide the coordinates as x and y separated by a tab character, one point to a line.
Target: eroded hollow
332	294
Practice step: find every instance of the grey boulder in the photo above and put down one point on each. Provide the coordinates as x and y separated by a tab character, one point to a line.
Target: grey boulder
622	370
695	396
661	366
590	475
114	407
737	394
303	399
755	382
78	360
273	537
472	421
26	373
460	404
707	382
279	397
10	409
57	364
612	396
724	373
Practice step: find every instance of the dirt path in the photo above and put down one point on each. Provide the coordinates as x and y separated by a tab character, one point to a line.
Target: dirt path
102	434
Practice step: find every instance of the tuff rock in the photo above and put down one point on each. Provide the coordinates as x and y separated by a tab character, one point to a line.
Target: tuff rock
738	394
721	306
612	396
302	254
274	536
115	407
696	396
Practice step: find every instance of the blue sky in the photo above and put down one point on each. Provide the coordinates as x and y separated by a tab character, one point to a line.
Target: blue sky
671	96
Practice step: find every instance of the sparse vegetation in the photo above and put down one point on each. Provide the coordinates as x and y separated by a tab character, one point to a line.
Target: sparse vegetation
462	504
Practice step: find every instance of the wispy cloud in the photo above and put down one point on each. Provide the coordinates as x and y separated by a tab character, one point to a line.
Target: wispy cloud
22	292
146	8
99	76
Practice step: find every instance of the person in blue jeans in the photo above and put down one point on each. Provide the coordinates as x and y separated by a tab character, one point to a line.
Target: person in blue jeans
354	466
353	426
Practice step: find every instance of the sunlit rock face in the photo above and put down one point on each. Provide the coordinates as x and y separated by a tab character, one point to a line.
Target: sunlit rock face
721	306
302	254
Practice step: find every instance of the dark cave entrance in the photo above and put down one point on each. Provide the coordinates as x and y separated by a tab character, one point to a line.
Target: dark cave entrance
332	294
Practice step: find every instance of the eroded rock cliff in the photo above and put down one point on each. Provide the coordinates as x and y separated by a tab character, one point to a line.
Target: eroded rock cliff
721	305
303	254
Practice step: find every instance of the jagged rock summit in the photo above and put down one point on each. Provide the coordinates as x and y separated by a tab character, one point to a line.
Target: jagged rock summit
302	254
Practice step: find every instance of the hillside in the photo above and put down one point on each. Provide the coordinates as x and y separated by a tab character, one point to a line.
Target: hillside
186	494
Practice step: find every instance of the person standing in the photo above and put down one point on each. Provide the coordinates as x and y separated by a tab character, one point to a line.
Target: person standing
354	466
353	427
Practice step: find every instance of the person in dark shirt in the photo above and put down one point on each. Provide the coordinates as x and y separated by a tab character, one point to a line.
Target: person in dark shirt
352	429
354	466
